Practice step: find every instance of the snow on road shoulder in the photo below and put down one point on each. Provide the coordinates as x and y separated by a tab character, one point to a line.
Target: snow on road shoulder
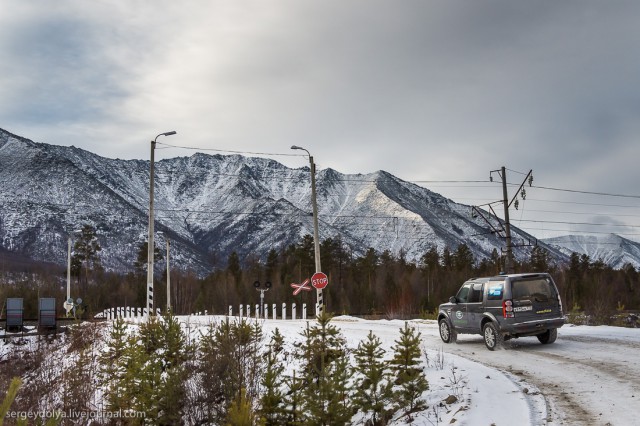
484	395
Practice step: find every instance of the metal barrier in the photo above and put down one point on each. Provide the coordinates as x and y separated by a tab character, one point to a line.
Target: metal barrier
15	314
47	313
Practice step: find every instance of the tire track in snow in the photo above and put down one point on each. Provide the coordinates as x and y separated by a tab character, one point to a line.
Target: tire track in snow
586	380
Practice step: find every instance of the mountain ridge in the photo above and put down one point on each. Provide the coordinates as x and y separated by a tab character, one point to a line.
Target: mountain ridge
612	249
211	205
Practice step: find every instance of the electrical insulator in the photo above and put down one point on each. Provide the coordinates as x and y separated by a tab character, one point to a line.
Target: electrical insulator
530	179
523	194
516	204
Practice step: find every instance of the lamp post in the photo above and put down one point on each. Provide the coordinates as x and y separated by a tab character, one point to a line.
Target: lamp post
150	248
316	238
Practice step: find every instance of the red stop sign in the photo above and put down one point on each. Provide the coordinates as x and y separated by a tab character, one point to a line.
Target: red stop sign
319	280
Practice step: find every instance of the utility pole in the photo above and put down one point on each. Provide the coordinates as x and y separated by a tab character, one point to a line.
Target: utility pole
151	246
150	243
168	280
316	233
69	268
508	263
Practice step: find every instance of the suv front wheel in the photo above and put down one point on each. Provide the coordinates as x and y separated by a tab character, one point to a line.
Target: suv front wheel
492	337
446	333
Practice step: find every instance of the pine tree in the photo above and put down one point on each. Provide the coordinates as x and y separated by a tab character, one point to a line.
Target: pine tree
144	368
9	397
295	401
140	265
86	249
77	386
409	376
336	390
272	399
325	371
539	259
463	258
149	370
113	367
230	361
240	412
173	358
373	388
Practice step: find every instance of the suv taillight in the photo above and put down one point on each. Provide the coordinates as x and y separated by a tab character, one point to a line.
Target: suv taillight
507	309
560	305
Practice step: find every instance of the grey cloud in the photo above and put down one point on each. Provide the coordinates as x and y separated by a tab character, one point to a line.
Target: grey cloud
423	89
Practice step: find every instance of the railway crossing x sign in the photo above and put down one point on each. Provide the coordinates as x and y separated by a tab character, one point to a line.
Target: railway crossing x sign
299	287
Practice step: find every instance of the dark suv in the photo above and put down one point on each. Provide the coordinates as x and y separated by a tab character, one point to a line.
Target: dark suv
503	307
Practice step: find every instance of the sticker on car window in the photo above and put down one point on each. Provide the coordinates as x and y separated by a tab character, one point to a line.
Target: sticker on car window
495	291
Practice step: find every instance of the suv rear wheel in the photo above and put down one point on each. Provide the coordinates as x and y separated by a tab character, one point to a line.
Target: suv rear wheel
548	336
492	337
446	333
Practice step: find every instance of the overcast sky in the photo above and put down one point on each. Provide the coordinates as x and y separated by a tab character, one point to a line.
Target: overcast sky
426	90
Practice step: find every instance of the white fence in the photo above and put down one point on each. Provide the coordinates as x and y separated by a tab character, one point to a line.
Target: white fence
271	311
244	311
124	312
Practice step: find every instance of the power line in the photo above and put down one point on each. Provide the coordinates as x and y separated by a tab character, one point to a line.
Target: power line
583	203
580	223
415	181
527	229
227	150
583	213
515	171
607	194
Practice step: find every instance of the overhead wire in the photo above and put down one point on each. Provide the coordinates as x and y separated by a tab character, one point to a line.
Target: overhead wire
227	150
607	194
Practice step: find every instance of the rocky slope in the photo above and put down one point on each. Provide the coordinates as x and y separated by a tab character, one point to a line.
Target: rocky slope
211	205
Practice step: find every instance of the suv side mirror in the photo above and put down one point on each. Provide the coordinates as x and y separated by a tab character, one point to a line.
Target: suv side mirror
453	299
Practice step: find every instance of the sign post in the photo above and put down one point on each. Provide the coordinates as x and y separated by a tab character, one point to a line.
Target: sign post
319	281
267	286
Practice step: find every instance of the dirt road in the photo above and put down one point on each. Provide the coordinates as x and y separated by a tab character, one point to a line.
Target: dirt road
589	376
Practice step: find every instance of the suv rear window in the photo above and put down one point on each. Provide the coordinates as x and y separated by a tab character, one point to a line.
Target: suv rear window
534	289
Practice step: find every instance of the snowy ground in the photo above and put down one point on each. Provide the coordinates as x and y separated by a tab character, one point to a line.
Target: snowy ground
589	376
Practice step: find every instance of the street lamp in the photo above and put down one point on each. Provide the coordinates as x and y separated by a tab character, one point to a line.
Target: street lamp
316	238
150	248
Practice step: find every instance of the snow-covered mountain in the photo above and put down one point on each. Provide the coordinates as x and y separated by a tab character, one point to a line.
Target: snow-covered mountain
211	205
611	249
